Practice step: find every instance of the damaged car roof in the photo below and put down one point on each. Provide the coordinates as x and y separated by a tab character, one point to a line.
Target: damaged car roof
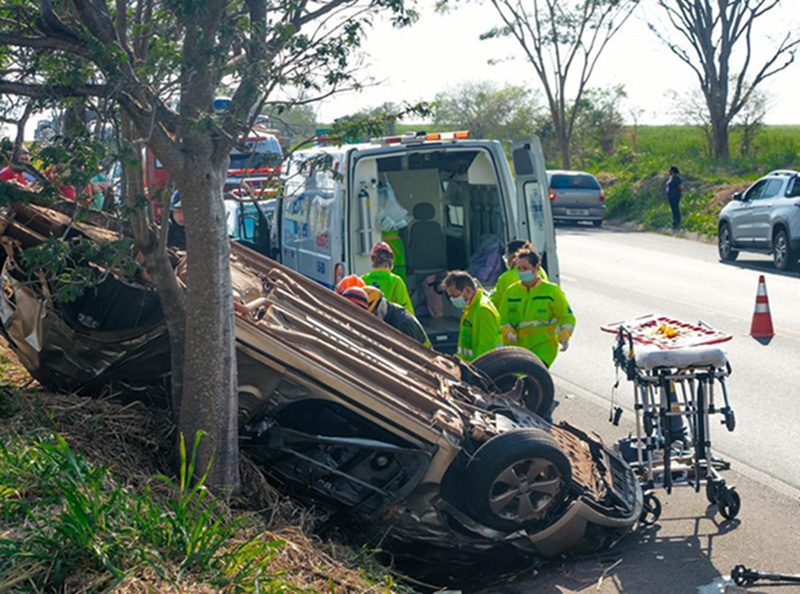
339	408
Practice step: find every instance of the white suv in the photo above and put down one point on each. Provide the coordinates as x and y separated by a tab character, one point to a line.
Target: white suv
765	219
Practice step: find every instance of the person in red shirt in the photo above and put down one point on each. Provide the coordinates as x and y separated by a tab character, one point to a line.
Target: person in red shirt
15	173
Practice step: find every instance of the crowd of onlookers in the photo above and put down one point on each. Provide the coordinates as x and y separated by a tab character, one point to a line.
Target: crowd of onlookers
95	195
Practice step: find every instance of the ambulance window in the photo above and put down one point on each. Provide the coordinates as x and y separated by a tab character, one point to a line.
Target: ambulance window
455	215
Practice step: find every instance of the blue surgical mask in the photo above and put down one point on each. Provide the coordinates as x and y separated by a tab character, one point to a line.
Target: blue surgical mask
459	301
527	276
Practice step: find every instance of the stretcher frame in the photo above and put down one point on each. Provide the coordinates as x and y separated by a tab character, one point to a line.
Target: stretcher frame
672	392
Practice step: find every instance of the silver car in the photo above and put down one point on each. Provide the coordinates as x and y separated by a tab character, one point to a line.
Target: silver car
763	219
576	196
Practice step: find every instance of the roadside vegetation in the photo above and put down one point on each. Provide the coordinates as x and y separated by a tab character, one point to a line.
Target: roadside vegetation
634	181
86	506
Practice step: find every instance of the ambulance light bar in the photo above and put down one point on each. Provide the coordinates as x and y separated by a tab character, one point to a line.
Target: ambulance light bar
420	137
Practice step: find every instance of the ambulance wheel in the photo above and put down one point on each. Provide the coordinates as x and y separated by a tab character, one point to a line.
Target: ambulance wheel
504	366
729	503
518	479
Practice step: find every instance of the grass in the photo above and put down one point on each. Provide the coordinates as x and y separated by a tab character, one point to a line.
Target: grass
85	506
69	517
634	181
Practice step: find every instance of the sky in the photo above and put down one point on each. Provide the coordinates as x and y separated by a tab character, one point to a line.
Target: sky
442	51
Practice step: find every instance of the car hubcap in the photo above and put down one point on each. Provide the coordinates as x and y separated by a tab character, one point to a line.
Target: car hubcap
780	250
725	242
525	490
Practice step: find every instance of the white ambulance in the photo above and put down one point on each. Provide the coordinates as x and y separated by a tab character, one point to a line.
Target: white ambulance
442	201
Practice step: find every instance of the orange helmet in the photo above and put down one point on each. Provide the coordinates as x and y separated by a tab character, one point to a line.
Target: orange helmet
347	282
356	295
381	247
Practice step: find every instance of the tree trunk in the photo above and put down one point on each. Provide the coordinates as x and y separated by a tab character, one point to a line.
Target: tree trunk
209	401
157	263
563	147
719	139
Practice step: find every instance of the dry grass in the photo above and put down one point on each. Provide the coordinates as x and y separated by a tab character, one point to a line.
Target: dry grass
134	444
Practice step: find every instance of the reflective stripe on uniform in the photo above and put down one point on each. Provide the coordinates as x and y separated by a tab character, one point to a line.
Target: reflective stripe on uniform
534	323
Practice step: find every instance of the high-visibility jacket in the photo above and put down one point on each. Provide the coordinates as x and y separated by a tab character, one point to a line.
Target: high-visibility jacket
392	287
399	251
536	318
480	328
508	278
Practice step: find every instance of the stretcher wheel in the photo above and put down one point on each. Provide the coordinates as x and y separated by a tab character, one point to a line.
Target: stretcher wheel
651	510
729	503
712	491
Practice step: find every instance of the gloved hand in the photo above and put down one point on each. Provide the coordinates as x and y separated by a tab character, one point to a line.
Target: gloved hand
509	336
564	335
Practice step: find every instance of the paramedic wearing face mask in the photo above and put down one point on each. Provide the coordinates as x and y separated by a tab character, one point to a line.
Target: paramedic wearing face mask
534	313
510	276
480	323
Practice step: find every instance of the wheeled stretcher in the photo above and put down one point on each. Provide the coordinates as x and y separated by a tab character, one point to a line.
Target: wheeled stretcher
679	376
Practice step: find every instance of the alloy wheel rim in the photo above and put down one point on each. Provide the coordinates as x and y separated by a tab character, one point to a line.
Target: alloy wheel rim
525	490
780	250
725	242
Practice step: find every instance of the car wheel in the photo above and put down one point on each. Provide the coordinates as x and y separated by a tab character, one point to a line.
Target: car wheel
598	223
518	480
725	244
503	367
782	256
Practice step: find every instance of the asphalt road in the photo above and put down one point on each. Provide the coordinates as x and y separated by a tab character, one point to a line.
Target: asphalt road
612	275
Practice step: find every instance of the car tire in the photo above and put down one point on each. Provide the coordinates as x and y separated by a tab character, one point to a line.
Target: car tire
598	223
518	480
503	366
782	256
727	253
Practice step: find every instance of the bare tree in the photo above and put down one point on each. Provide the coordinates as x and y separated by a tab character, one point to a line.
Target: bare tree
708	35
750	121
563	41
690	109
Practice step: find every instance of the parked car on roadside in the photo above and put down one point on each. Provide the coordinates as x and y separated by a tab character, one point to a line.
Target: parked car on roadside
576	196
763	219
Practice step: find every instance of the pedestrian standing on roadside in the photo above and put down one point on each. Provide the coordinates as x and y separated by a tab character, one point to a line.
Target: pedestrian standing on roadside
674	189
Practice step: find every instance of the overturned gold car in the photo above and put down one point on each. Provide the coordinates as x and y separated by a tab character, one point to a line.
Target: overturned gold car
343	411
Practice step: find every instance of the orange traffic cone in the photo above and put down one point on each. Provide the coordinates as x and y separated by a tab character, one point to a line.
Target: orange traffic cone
762	320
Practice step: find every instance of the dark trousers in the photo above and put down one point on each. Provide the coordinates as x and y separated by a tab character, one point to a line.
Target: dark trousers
674	205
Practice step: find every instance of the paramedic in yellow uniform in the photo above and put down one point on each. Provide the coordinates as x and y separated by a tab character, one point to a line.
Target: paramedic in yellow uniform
511	275
479	331
392	286
535	313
